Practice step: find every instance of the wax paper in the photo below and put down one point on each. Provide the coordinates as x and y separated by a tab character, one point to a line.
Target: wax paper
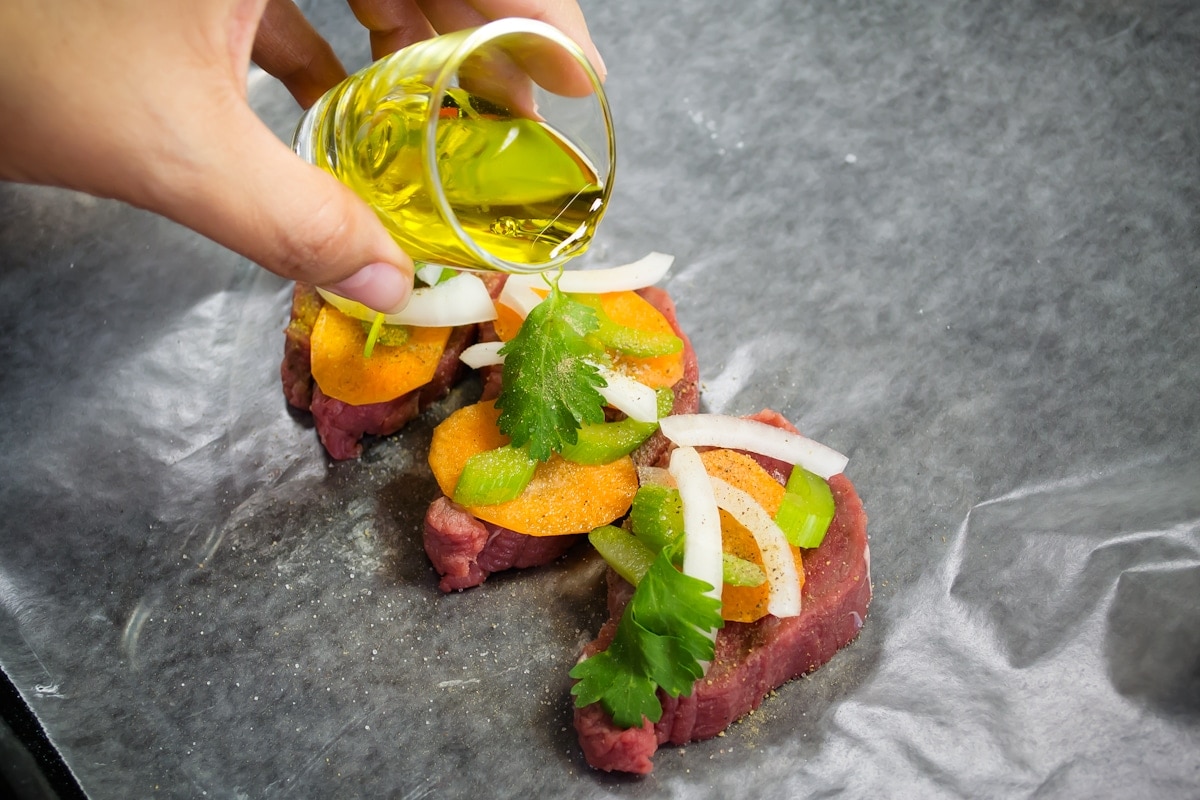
959	242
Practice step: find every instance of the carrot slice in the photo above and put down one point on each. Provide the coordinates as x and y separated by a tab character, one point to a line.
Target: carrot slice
624	308
562	498
633	311
339	368
740	470
742	603
746	603
507	322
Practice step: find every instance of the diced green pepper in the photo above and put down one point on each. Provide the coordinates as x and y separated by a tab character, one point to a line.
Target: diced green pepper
631	558
630	341
623	552
666	401
636	342
806	510
494	476
656	517
737	571
605	442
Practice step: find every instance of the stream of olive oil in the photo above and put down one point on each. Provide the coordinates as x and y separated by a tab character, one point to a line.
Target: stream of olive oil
518	189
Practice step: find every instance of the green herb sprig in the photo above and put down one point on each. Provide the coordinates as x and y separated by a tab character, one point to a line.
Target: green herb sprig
550	381
662	641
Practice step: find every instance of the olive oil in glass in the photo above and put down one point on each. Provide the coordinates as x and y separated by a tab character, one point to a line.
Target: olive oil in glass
459	179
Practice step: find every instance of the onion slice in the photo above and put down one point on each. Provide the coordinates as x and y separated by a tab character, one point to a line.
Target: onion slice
519	295
461	300
780	565
646	271
637	400
430	273
702	557
482	354
738	433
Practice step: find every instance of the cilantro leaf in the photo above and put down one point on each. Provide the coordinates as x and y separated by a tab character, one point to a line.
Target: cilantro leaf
550	381
633	695
659	609
660	642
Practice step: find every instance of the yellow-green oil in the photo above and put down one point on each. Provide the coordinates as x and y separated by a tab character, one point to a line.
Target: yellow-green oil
518	189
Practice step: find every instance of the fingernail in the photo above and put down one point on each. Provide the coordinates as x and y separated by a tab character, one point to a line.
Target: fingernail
380	286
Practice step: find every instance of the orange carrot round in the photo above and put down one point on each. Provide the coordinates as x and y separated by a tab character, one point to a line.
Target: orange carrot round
507	322
342	372
746	603
562	498
624	308
631	310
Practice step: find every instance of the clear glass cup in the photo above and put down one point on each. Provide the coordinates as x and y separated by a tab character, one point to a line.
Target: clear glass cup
488	149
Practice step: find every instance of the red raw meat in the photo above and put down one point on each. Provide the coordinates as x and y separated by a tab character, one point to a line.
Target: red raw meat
341	425
464	556
752	659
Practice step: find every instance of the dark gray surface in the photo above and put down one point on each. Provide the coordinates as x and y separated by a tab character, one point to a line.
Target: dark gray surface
959	242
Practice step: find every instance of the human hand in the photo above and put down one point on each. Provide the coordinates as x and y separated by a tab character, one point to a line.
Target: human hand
288	47
145	101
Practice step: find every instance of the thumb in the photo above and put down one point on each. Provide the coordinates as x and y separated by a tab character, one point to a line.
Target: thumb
250	192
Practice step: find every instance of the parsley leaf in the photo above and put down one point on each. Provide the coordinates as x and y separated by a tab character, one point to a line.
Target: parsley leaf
627	696
660	641
550	381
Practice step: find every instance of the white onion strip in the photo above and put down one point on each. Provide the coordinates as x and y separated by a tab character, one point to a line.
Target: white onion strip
637	400
702	553
482	354
737	433
778	562
646	271
430	274
462	300
519	295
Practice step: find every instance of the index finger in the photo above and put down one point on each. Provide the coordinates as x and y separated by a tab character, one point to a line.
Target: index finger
396	23
391	24
566	15
546	63
287	47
